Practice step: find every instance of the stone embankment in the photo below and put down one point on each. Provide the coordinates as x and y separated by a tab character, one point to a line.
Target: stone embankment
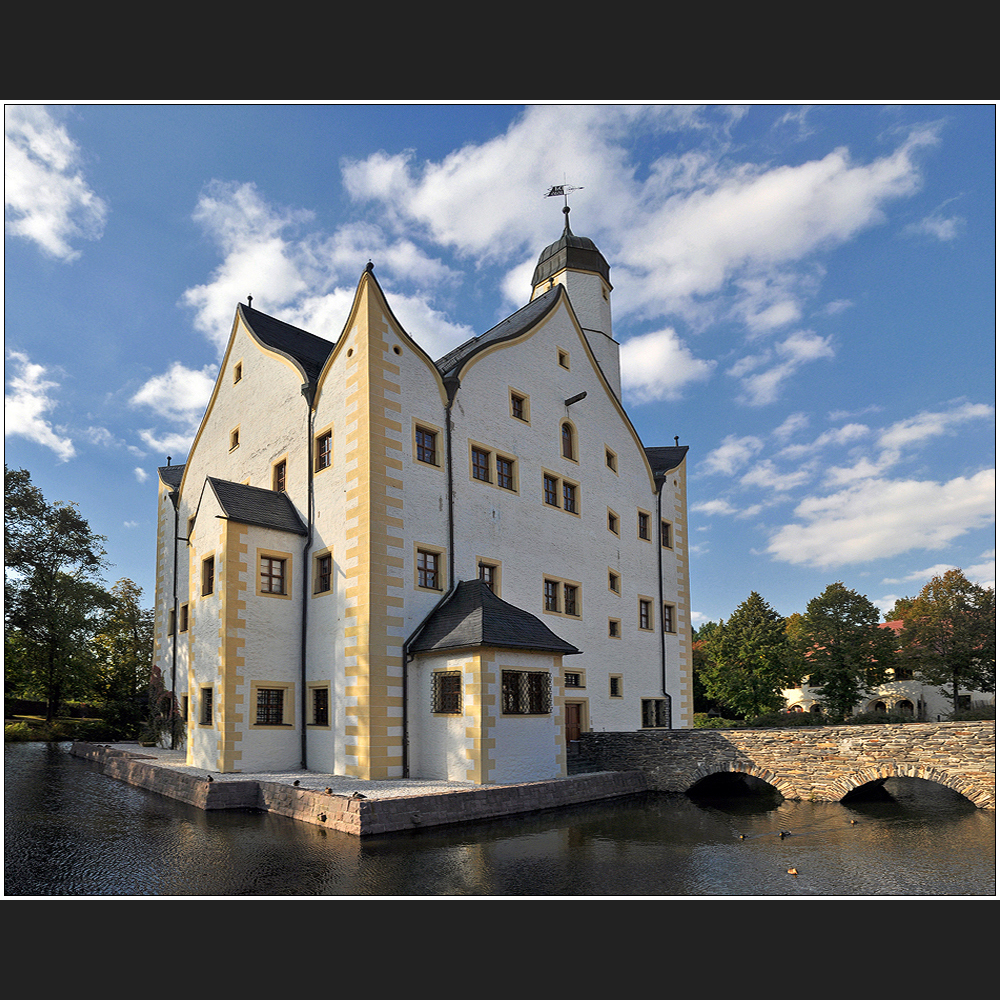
822	763
382	808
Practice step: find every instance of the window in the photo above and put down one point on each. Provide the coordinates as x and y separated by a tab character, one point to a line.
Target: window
615	628
644	525
568	443
426	442
655	714
562	597
644	619
666	534
278	476
561	492
614	582
551	490
611	459
234	439
272	575
569	497
324	573
172	622
563	359
320	706
573	680
526	692
238	371
519	406
615	686
570	605
324	450
505	473
205	708
489	573
207	576
184	617
612	521
481	465
428	570
446	692
270	706
669	618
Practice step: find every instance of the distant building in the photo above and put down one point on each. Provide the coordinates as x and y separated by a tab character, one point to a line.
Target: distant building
902	694
380	565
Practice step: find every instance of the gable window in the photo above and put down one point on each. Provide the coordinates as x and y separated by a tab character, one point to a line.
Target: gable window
428	570
324	573
611	459
278	476
526	692
519	406
207	576
568	441
272	575
655	713
270	706
238	371
446	692
666	534
644	525
426	441
324	450
234	439
563	359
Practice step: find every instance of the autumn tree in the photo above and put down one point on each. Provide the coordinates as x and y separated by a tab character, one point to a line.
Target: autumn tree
845	650
749	660
949	634
53	594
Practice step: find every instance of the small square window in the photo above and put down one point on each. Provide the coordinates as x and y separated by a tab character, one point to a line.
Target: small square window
525	692
615	686
563	359
655	714
428	570
272	575
614	628
572	680
270	706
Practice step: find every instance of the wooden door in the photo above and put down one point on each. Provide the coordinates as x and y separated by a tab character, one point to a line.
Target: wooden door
573	712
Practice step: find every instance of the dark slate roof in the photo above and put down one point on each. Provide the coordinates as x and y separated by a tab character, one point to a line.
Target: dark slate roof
305	349
171	475
474	616
570	251
662	460
513	326
253	505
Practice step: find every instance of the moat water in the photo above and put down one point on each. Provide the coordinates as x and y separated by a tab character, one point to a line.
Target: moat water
71	831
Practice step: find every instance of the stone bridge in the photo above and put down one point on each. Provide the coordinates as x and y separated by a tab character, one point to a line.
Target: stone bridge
819	763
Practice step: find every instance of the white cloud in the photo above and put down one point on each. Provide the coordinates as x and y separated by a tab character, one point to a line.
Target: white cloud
789	355
46	197
180	395
766	475
731	455
25	405
140	474
877	518
658	365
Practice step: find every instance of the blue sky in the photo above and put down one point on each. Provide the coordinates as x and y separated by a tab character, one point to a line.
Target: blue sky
804	295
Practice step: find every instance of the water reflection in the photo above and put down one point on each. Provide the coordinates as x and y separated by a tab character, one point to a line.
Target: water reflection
72	831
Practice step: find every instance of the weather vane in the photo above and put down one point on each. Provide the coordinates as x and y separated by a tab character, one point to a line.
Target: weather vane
564	190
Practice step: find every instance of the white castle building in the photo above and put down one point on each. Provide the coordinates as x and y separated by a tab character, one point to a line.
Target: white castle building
380	565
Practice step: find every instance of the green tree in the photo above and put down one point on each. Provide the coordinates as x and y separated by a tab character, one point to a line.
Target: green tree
846	653
749	660
123	654
52	589
949	634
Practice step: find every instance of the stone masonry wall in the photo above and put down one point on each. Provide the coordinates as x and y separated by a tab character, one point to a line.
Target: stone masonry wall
819	763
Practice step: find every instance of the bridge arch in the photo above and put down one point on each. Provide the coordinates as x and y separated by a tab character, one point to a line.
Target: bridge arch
977	793
783	786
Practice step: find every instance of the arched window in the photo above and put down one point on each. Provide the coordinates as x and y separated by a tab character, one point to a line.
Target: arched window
568	444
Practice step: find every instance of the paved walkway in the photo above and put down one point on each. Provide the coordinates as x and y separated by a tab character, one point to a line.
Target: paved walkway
388	788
